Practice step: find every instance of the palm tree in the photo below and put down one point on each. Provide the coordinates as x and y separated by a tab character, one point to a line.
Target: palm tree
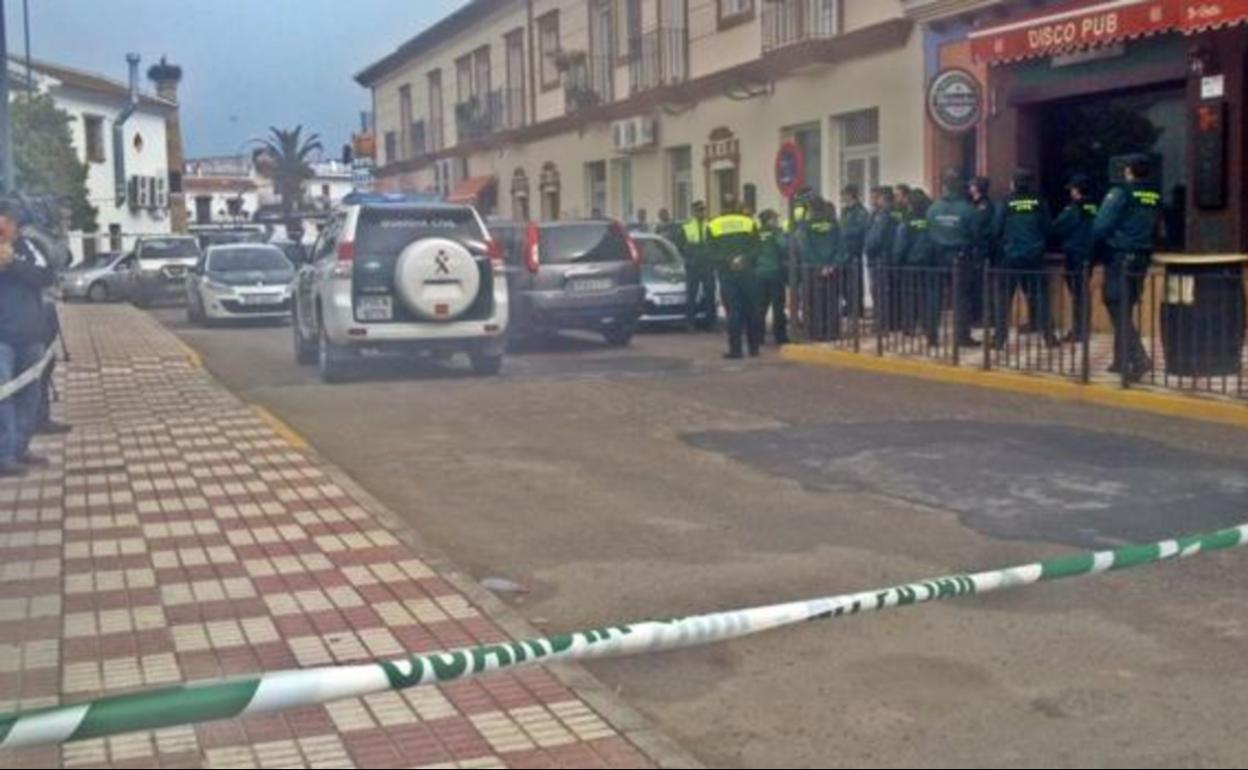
285	160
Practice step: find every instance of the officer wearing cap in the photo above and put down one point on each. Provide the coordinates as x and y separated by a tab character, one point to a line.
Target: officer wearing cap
700	304
819	243
1022	230
772	272
1124	227
1072	233
733	241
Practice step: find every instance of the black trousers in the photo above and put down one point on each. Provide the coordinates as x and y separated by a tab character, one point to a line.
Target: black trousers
700	300
968	303
1124	283
1076	284
774	299
741	301
825	294
1034	285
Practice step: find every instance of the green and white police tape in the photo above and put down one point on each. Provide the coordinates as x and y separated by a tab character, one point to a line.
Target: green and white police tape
206	701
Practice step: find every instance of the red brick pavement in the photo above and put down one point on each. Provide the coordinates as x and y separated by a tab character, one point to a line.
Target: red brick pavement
178	537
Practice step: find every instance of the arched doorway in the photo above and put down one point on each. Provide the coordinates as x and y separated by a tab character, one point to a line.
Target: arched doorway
722	159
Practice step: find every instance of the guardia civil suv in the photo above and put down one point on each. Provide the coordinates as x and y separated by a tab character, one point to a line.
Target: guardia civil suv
404	276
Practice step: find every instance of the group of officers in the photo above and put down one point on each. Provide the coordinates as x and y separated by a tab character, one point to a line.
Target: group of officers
911	245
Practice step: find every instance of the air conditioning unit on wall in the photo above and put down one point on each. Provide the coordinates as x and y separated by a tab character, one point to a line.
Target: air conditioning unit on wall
634	134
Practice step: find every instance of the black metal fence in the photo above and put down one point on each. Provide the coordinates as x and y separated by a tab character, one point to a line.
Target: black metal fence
1179	328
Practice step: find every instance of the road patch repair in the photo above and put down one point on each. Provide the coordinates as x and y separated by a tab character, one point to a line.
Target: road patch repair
198	703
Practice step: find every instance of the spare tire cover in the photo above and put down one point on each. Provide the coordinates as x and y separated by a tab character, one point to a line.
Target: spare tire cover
437	279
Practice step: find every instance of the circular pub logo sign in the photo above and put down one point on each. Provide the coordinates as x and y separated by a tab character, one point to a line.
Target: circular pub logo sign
954	100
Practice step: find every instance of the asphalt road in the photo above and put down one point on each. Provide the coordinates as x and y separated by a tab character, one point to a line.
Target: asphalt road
660	480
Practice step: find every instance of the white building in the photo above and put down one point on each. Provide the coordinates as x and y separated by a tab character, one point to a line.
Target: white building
94	103
228	190
561	108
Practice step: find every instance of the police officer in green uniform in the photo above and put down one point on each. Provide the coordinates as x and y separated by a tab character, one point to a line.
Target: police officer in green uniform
924	273
819	244
733	241
1072	233
1124	227
982	251
951	230
772	272
855	221
878	244
700	305
1022	230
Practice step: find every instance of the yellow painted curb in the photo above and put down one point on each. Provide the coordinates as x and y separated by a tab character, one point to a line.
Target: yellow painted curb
1169	404
192	355
289	434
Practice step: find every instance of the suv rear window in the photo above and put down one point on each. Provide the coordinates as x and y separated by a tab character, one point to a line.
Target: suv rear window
586	242
390	230
169	248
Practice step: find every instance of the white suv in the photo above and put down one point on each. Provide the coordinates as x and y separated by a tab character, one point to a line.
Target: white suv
397	275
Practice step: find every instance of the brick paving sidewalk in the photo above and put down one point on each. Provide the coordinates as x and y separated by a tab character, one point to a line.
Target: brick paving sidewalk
179	537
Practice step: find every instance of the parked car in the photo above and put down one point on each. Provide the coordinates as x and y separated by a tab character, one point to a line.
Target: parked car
663	276
100	279
582	275
160	267
245	280
401	275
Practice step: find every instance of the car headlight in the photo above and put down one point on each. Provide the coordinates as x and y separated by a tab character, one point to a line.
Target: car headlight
218	288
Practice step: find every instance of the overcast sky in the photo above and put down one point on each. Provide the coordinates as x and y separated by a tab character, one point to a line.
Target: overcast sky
248	64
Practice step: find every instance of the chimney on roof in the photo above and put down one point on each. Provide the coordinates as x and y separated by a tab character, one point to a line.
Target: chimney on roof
167	77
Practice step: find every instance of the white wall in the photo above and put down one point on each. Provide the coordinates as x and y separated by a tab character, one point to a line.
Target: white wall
152	160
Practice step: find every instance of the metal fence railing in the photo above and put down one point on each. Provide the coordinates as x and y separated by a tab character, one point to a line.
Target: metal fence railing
1167	328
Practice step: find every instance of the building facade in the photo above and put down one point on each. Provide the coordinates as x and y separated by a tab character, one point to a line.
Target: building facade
1072	87
544	109
140	205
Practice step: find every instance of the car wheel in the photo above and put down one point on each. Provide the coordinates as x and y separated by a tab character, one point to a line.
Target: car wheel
618	336
329	359
485	364
305	351
98	292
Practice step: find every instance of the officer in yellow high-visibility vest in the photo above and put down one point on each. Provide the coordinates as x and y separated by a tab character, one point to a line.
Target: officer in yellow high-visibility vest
700	304
734	242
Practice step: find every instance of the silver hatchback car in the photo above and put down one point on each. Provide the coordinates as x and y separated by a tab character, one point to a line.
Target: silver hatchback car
99	279
244	280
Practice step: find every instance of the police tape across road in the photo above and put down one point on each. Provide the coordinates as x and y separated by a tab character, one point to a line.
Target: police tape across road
10	388
202	702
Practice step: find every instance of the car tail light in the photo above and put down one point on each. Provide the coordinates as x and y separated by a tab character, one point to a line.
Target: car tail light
533	252
346	251
633	252
494	250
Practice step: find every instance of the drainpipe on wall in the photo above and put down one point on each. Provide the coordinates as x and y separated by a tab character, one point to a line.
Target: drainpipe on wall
119	124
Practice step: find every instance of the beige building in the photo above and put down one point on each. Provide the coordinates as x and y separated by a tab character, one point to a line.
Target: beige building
566	108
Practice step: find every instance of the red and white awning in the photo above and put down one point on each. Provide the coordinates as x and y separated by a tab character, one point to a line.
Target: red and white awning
1083	24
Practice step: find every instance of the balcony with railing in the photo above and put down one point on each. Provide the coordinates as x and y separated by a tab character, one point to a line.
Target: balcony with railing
789	22
660	59
587	80
479	116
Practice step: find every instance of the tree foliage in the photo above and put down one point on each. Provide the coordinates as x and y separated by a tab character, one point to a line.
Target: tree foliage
46	161
287	156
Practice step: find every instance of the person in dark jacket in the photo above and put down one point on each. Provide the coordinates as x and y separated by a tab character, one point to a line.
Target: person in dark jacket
1072	234
1022	232
951	228
1125	227
733	241
24	274
982	250
878	243
855	220
701	303
772	271
819	245
920	281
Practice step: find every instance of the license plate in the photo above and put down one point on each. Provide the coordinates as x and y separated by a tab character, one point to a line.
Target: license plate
667	300
262	299
590	284
374	308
